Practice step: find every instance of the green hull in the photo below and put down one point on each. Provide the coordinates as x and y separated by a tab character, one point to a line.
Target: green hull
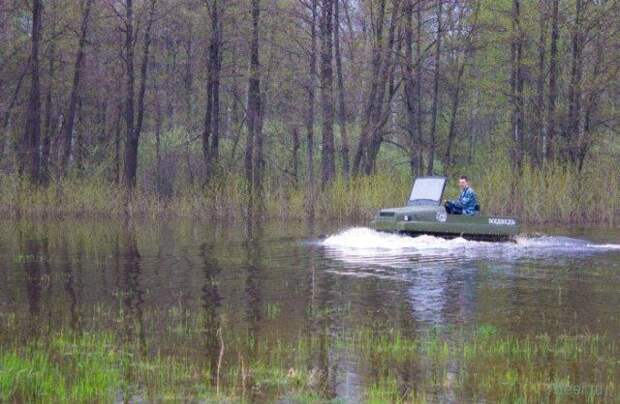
425	215
433	220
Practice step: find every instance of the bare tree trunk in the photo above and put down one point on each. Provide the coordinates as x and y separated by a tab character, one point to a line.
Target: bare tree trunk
573	126
215	88
171	67
310	113
295	156
210	136
541	143
353	110
159	114
144	69
327	94
49	128
467	53
585	142
7	113
375	96
206	133
101	135
188	81
73	98
79	141
252	157
311	97
418	90
516	85
117	146
32	131
431	152
131	144
158	123
133	131
342	113
386	82
407	67
259	159
553	89
235	128
453	115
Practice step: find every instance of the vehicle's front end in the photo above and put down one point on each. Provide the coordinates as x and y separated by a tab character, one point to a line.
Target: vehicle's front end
400	219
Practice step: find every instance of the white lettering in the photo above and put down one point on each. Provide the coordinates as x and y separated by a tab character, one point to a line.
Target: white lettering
502	222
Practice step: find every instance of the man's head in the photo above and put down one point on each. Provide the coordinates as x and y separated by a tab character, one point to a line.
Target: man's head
463	182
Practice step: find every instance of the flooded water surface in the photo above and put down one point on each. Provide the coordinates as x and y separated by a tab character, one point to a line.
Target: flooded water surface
328	308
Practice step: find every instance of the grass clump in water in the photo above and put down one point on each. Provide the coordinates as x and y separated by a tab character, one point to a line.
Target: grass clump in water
488	366
76	369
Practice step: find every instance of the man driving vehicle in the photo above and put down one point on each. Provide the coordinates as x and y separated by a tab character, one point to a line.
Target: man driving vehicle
467	204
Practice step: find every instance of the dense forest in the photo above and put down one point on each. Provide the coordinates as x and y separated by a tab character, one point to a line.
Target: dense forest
310	103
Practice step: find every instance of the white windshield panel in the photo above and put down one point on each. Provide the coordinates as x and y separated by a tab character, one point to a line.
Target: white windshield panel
427	189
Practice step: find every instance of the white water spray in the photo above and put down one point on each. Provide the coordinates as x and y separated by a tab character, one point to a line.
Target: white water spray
364	242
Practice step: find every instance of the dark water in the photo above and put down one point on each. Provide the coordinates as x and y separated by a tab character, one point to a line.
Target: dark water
272	278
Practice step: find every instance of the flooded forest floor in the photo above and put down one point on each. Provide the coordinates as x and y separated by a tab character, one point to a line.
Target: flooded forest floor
189	310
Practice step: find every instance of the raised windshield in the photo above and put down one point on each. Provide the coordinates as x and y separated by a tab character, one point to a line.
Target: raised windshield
427	191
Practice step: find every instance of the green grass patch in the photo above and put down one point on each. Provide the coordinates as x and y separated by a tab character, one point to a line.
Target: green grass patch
437	365
75	369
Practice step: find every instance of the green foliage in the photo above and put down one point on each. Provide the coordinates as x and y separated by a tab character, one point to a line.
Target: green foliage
552	194
29	378
83	368
484	365
487	365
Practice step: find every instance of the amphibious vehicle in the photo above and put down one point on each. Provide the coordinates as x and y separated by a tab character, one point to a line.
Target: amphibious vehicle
424	214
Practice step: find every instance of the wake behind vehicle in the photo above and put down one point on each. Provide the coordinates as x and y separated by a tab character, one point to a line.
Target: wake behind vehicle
424	214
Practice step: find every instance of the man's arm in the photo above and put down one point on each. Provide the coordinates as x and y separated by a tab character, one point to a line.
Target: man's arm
459	202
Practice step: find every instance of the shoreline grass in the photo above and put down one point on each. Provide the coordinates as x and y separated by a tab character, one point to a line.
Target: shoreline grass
436	365
554	195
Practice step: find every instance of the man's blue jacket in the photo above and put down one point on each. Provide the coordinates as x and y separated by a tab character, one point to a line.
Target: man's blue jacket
467	201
